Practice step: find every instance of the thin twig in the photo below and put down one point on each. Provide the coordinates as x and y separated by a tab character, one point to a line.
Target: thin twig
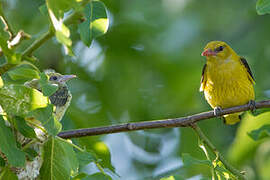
21	35
216	152
7	27
38	42
166	123
71	19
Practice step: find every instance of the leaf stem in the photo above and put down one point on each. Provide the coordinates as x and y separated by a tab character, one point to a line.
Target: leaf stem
74	145
228	166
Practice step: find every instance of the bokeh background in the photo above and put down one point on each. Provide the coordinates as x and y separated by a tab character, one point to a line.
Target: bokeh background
148	66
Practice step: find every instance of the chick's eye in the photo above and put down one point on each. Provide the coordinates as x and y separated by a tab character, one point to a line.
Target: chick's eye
54	78
220	48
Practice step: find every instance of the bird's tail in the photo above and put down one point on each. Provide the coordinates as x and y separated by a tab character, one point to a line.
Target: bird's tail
232	118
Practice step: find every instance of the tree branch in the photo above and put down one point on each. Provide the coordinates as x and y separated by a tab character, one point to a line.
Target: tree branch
166	123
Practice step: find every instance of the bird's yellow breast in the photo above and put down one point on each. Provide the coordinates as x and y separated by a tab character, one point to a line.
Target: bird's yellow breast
227	84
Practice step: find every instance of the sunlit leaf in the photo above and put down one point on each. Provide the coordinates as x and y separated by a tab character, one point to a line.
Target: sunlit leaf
59	160
96	23
9	147
23	128
263	7
56	11
260	133
47	119
168	178
1	82
20	100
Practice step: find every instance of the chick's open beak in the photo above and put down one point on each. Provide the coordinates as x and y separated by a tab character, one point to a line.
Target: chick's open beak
65	78
208	52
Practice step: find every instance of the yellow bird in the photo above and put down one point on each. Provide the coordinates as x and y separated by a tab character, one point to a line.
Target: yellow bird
226	80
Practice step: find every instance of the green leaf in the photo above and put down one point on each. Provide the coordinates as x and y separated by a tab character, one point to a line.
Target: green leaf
23	128
25	72
8	146
85	158
8	174
19	100
97	22
80	176
97	176
189	160
260	133
44	10
243	146
47	119
60	6
56	11
47	88
263	7
59	160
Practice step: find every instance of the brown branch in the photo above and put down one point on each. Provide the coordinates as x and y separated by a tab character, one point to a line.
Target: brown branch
166	123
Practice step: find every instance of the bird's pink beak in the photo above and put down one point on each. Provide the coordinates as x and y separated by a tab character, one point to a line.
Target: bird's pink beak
65	78
208	52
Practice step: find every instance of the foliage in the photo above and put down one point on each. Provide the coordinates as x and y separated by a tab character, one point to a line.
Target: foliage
26	109
145	67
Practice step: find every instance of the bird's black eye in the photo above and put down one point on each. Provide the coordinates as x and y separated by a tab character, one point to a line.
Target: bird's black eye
53	78
220	48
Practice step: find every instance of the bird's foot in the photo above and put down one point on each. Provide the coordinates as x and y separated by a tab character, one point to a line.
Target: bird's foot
217	111
252	106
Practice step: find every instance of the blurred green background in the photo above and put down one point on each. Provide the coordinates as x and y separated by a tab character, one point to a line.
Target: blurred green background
148	66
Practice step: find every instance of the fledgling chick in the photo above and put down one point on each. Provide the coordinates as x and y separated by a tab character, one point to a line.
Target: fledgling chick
226	80
62	97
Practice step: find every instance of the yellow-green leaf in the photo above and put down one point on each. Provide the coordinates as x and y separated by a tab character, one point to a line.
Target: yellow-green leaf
19	100
96	23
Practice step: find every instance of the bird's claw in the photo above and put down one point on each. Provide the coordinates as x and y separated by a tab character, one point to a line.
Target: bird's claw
252	106
217	111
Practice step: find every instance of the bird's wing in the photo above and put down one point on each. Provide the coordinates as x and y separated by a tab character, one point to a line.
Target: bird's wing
245	63
203	78
60	97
